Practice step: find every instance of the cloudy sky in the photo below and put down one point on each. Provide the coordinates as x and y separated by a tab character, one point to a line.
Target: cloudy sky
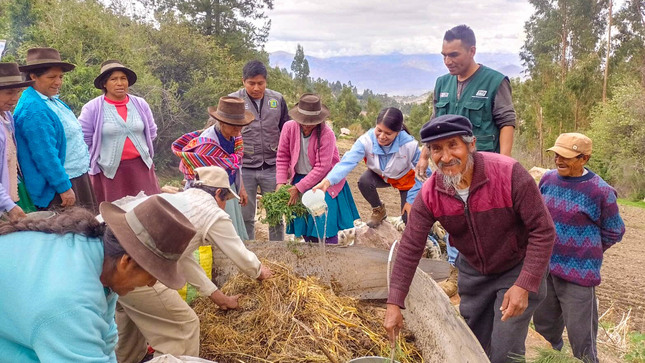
360	27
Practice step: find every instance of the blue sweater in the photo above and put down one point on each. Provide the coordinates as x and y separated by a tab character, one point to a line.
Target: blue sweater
54	307
587	223
41	144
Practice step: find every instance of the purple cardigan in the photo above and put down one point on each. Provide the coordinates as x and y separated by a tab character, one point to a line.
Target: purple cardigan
322	163
6	204
91	120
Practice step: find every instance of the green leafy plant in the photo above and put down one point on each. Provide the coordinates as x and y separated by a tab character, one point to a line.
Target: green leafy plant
636	347
276	207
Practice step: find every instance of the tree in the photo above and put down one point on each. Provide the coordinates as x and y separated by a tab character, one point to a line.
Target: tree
629	52
300	68
233	23
346	110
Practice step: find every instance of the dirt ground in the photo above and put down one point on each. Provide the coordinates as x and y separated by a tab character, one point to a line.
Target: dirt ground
622	289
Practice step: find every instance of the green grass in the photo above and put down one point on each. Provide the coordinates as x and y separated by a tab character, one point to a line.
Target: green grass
631	203
547	355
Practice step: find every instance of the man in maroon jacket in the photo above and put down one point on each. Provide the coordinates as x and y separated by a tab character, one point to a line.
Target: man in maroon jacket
497	220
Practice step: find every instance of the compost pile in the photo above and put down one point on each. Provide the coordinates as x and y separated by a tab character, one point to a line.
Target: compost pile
292	319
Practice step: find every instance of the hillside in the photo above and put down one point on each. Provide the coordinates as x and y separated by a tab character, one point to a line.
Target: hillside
393	74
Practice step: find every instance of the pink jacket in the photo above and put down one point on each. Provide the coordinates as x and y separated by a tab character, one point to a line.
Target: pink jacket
322	162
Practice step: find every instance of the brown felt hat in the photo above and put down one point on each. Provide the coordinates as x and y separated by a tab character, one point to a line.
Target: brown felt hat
309	110
108	67
10	77
155	234
232	111
38	58
571	145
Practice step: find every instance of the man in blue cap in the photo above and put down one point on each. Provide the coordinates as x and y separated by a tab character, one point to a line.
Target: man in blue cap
495	215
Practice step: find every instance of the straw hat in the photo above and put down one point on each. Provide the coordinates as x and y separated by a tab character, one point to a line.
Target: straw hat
10	77
309	110
231	110
108	67
45	58
154	234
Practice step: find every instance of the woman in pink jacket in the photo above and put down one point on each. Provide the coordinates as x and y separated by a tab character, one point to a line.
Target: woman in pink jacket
306	153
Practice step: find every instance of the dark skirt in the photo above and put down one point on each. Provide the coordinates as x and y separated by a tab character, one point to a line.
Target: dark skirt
85	198
132	177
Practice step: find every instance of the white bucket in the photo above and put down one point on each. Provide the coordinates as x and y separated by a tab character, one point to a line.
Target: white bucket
315	203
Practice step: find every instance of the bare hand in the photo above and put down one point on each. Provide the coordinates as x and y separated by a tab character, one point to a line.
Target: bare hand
516	300
244	197
265	273
407	207
278	186
68	198
16	213
225	302
393	322
422	165
295	195
323	185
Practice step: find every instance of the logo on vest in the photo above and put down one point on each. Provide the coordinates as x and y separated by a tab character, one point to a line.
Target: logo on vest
246	106
273	103
481	93
444	94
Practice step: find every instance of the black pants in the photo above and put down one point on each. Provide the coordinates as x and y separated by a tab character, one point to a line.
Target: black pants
481	298
367	184
574	306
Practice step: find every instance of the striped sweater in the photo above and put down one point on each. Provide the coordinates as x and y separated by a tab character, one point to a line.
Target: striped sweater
587	222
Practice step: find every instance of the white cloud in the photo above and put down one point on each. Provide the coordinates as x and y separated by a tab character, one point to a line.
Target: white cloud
353	27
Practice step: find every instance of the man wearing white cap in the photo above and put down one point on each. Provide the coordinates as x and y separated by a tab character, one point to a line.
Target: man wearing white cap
158	315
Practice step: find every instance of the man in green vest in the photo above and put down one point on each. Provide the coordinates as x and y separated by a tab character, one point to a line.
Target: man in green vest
479	93
475	91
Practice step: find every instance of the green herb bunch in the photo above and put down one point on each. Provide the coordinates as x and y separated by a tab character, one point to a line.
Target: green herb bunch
276	206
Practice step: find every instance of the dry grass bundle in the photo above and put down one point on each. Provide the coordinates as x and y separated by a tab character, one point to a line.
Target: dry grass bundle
293	319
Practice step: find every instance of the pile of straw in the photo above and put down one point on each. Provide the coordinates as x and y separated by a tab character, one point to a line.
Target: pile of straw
292	319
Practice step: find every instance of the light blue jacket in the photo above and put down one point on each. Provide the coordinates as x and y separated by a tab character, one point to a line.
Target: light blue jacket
54	307
357	153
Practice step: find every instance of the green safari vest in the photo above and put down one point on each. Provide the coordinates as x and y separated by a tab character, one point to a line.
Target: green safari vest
475	103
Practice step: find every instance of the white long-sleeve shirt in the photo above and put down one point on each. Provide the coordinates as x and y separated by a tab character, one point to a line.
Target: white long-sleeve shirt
214	227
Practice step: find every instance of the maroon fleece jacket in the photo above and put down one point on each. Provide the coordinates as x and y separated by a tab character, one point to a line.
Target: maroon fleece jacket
503	223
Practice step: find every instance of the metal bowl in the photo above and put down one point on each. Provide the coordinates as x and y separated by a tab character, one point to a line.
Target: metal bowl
372	360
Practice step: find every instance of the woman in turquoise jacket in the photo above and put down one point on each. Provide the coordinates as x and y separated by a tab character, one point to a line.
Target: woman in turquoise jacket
66	273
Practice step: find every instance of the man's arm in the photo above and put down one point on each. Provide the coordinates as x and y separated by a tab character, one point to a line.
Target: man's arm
529	205
410	250
504	116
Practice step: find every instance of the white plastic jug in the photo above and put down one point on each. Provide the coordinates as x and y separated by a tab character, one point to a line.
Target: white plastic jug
314	201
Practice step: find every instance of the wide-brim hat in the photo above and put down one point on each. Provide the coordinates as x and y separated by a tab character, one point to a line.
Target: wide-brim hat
232	111
10	77
155	234
38	58
309	110
216	177
572	144
110	66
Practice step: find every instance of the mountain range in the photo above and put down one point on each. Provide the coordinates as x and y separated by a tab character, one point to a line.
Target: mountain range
393	74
